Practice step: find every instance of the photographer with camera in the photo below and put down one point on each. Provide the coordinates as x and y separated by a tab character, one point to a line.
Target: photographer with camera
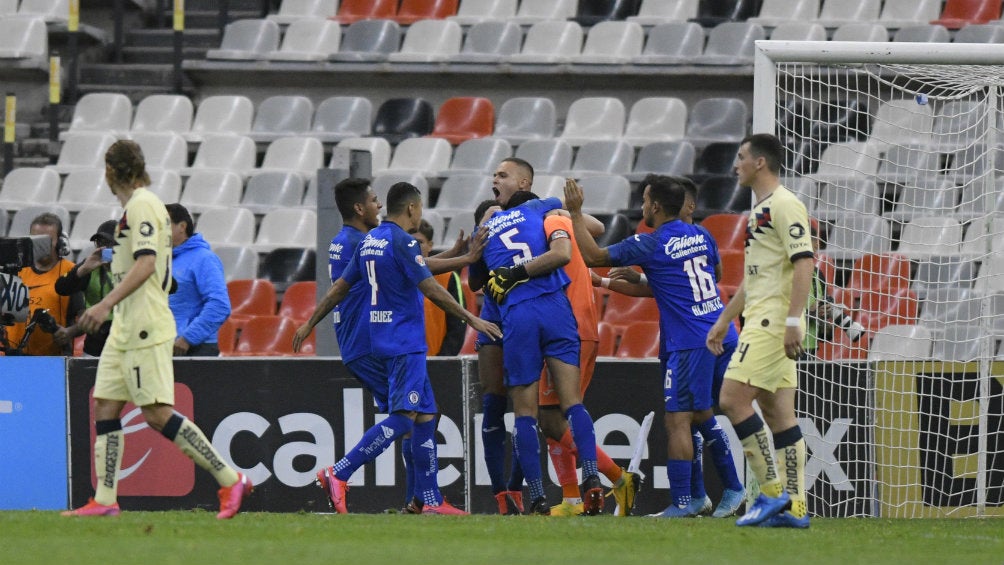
45	333
823	313
92	277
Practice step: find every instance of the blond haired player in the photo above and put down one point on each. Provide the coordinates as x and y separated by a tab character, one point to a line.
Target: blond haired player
772	298
136	363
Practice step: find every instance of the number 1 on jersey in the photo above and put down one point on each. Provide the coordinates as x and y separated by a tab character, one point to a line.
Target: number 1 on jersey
371	277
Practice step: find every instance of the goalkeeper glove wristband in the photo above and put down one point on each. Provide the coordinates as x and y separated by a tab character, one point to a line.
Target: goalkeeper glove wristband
504	279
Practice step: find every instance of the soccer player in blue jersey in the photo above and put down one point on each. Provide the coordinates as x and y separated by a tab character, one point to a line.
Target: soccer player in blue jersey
527	281
772	297
679	261
396	276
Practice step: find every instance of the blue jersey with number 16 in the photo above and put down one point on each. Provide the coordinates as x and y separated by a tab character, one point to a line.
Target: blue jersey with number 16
390	262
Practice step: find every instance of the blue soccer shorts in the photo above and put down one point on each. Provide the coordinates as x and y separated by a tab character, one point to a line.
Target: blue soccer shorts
537	328
409	386
371	372
692	378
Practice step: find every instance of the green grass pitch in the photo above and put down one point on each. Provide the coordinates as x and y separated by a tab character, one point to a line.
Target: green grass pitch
196	537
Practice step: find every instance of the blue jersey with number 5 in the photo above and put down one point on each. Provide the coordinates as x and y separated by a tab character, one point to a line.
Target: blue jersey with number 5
391	264
679	261
515	237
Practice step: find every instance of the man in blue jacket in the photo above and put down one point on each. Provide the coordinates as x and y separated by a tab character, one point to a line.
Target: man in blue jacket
201	303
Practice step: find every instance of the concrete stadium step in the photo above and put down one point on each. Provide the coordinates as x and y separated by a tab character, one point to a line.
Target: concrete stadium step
206	38
207	18
138	75
160	55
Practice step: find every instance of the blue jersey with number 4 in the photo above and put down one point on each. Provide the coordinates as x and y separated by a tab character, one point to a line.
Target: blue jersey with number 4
390	262
515	237
679	261
352	333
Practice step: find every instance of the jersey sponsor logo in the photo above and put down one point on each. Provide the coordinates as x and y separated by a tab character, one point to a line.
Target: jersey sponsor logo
373	246
796	231
413	397
381	316
145	229
758	223
150	465
335	251
504	220
420	260
677	247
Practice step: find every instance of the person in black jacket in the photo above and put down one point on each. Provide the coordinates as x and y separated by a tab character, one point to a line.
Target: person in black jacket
92	276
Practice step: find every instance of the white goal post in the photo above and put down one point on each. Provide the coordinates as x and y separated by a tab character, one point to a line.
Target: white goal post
897	150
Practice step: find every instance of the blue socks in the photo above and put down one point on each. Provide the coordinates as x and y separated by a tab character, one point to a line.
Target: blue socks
373	443
697	491
423	452
526	442
678	471
585	438
717	442
409	471
493	437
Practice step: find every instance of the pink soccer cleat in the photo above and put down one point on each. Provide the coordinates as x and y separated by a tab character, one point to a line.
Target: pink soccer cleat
92	508
334	488
444	509
232	496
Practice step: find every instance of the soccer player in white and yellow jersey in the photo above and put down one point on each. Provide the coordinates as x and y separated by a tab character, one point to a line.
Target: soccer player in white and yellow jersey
772	297
136	363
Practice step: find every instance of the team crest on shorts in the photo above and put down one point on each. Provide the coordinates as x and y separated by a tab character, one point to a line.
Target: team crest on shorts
413	397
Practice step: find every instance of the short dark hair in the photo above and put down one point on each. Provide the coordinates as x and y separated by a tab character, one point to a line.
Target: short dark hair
523	164
426	229
348	193
400	195
180	214
520	197
482	208
669	192
49	219
767	146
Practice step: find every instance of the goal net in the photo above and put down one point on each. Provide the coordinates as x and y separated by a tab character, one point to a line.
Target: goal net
897	150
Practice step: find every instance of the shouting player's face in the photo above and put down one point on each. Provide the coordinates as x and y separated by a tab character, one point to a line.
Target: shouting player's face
508	180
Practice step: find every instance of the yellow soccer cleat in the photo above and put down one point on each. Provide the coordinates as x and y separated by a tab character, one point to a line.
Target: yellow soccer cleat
626	492
566	509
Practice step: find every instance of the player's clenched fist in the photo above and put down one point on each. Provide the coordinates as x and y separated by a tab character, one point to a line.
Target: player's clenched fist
503	279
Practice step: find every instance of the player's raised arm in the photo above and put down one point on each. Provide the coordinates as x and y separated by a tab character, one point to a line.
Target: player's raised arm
592	254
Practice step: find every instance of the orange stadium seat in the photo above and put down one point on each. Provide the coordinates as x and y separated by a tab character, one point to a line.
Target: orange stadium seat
608	339
729	230
623	310
732	267
960	13
469	338
412	11
351	11
464	117
266	335
251	297
640	339
226	337
298	301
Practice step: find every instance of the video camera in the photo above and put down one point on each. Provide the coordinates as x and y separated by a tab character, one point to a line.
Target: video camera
15	254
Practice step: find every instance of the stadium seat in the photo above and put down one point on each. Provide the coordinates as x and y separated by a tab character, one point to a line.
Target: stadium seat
308	39
937	273
711	13
852	159
398	119
377	147
639	340
898	14
368	41
298	301
546	156
849	197
524	118
296	227
960	124
461	194
265	336
24	40
429	41
880	308
470	337
282	116
166	185
672	43
961	343
605	193
211	189
247	40
931	235
85	150
616	228
622	310
856	235
341	117
985	235
722	194
251	297
774	13
728	230
592	119
841	120
879	271
80	189
423	155
901	343
383	181
952	306
52	11
663	158
27	186
489	42
227	226
861	31
612	43
550	42
478	156
162	150
716	119
105	112
908	164
925	197
980	33
462	118
301	155
291	11
655	12
604	156
798	31
733	266
959	13
922	33
412	11
903	122
715	160
595	12
794	115
805	189
607	339
836	14
267	191
226	337
239	261
288	266
656	119
162	113
534	12
235	153
87	221
228	115
473	12
731	43
352	11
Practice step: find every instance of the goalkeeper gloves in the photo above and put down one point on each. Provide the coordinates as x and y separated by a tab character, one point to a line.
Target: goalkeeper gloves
503	279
